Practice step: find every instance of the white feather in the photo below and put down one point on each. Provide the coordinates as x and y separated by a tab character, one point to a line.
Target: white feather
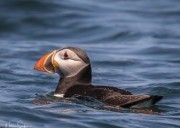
59	95
146	103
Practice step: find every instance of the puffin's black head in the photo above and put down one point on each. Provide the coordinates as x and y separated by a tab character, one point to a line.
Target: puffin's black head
67	61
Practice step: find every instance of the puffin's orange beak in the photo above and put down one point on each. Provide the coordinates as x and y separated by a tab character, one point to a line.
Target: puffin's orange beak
46	63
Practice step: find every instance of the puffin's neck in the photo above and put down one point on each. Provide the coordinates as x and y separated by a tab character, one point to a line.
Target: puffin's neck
83	77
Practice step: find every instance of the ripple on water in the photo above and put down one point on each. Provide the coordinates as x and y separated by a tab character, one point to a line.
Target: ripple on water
132	45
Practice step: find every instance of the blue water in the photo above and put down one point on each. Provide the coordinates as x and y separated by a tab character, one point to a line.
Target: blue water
132	44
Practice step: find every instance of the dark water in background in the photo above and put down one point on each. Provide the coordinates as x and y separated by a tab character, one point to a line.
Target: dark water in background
132	44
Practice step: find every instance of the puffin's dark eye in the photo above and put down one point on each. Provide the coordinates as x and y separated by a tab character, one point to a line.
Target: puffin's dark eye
66	56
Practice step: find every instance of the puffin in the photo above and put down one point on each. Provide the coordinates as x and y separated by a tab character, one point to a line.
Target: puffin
74	69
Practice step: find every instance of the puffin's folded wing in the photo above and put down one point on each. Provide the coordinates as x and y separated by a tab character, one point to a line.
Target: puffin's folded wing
132	100
107	89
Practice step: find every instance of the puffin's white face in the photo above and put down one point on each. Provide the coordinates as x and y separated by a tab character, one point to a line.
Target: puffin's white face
67	63
64	62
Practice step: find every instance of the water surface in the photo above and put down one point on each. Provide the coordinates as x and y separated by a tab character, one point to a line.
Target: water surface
134	45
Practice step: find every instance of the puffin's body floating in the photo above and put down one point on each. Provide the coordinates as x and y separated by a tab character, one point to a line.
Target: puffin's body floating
74	68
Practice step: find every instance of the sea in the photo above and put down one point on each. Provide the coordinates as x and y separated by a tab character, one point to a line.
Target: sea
132	44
